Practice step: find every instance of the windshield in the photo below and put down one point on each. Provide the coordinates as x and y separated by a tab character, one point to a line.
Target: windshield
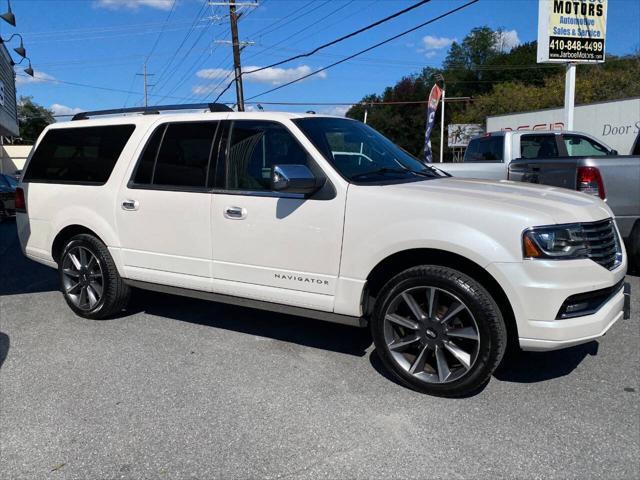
360	153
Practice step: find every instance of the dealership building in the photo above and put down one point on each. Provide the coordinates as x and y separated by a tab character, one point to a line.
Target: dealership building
8	107
10	155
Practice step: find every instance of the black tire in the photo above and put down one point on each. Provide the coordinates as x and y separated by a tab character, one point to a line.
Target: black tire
115	293
3	212
491	334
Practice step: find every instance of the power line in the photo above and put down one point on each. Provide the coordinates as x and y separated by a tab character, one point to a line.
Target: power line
166	20
336	41
390	39
197	18
202	56
306	28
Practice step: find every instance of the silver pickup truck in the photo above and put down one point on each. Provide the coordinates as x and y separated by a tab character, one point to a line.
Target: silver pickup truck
563	159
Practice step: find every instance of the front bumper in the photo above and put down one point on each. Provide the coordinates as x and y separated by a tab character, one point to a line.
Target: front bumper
537	289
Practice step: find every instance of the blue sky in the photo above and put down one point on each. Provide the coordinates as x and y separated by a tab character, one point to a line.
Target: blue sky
104	43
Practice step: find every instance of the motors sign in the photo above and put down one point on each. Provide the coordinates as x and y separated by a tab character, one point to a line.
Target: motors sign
572	31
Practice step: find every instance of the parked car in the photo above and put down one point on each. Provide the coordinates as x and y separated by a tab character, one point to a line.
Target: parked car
266	210
489	156
586	166
7	196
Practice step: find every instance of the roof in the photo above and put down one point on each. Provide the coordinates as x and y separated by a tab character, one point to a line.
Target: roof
140	119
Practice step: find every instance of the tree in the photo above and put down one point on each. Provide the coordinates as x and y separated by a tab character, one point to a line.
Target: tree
32	119
498	81
616	79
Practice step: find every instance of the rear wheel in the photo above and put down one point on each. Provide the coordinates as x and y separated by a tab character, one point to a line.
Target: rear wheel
90	281
438	331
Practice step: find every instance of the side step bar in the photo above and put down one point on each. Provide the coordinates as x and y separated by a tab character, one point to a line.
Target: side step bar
250	303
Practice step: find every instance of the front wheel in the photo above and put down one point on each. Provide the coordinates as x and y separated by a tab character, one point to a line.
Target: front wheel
438	331
90	281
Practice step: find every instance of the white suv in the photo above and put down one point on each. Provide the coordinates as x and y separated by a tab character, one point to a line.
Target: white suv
320	217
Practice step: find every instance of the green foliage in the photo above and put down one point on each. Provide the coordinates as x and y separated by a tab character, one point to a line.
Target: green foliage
616	79
497	82
33	119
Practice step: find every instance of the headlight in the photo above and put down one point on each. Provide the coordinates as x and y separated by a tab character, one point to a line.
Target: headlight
558	242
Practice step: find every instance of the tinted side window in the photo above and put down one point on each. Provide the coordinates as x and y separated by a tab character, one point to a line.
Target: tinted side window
78	155
254	147
177	155
147	161
579	146
538	146
485	149
183	158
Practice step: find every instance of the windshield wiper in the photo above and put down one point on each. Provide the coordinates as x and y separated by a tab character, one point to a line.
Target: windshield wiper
435	170
381	171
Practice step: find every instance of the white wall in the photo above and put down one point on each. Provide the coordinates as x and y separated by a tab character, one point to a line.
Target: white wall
615	123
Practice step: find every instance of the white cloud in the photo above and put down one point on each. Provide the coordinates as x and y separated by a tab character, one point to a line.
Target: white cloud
59	109
337	110
135	4
206	89
272	76
39	77
505	40
436	43
213	73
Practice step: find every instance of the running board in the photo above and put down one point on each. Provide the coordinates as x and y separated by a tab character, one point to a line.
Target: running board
250	303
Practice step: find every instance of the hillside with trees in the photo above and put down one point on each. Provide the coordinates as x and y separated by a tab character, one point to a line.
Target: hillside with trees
496	82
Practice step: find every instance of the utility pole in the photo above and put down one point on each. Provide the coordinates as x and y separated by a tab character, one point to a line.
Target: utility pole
237	46
145	76
236	55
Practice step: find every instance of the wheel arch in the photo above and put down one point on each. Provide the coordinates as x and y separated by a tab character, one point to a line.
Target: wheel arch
64	235
402	260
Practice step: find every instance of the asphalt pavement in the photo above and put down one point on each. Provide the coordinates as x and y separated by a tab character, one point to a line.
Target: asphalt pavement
185	389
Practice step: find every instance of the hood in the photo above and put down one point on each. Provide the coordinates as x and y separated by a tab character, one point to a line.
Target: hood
562	205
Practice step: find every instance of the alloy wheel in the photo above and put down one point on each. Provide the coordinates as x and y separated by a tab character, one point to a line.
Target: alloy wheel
431	334
82	278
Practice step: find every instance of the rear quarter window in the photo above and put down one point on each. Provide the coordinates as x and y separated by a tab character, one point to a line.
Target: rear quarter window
84	155
485	149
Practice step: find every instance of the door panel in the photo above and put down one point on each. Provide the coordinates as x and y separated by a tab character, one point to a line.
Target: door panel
281	242
164	213
269	246
168	232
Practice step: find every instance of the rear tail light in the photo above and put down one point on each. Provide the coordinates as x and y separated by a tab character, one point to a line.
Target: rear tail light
590	182
21	205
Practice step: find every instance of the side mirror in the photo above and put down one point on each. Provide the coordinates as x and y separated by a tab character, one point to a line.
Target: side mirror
613	152
294	179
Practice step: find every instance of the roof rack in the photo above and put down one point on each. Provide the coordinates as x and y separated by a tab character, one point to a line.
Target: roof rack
154	110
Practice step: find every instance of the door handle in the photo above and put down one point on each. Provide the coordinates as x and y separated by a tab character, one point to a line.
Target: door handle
130	205
235	213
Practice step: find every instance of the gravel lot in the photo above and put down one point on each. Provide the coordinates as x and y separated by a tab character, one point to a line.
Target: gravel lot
180	388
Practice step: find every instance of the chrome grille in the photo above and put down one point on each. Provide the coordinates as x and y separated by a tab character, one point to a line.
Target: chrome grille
603	245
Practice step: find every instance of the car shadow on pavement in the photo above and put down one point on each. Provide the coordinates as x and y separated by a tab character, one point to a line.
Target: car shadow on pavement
532	367
18	274
287	328
4	347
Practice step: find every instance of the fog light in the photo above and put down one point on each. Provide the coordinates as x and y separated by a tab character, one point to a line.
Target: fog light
576	307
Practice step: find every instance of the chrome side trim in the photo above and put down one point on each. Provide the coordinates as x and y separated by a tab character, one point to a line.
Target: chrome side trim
250	303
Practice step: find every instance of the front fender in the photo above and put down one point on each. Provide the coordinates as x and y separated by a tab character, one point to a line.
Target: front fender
361	253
